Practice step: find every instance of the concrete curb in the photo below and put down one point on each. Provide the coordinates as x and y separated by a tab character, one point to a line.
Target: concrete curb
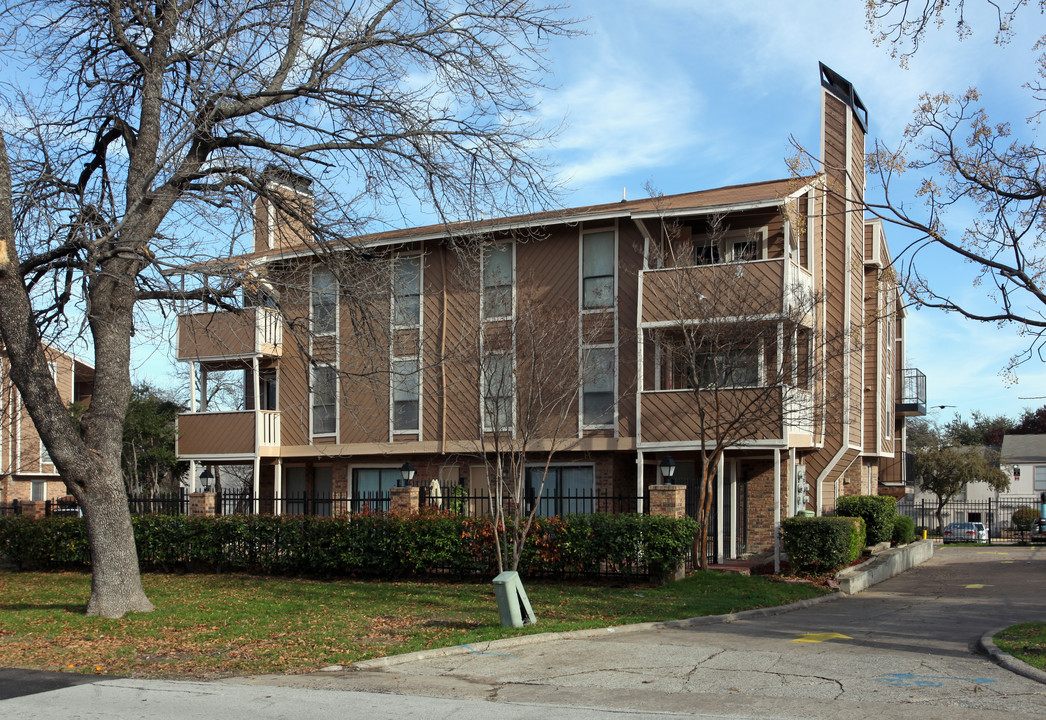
883	566
987	645
492	646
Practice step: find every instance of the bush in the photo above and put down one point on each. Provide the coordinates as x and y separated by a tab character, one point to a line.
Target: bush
822	545
903	530
878	512
1024	517
365	544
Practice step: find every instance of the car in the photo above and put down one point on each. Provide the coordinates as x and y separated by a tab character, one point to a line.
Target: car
982	532
1038	531
966	532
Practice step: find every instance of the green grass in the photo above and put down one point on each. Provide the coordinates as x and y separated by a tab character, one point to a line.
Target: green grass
1026	642
207	625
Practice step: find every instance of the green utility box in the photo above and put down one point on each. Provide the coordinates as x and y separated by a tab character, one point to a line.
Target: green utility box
513	603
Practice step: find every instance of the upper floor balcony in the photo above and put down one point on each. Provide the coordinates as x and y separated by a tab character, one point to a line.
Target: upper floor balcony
912	400
248	332
235	433
769	288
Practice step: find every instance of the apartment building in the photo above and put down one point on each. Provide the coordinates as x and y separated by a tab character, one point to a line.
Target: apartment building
773	299
26	470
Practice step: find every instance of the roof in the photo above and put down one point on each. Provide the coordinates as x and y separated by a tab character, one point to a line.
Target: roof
768	193
1023	449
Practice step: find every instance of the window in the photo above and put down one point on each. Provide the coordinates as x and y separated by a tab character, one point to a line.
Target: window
406	394
706	253
744	250
569	489
733	246
406	291
38	492
370	487
597	267
598	387
324	301
726	369
497	281
1040	477
45	457
497	391
324	400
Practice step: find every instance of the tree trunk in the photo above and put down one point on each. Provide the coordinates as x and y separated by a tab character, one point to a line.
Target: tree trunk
116	586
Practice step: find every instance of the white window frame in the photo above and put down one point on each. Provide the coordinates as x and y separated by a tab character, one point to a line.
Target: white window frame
1038	485
612	422
487	425
511	283
725	247
333	331
612	300
420	294
312	401
392	396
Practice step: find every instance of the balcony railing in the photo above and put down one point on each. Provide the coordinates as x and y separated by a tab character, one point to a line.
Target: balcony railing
913	394
672	295
215	434
239	333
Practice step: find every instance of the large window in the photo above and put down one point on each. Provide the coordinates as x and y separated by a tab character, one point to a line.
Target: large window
597	268
324	301
406	394
569	489
324	400
498	391
406	291
497	281
370	487
597	399
725	369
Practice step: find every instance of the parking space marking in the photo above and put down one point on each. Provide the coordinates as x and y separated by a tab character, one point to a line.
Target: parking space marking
926	681
821	637
976	586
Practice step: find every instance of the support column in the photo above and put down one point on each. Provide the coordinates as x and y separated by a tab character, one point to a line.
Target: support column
734	511
203	504
777	511
277	487
639	481
404	501
720	489
668	500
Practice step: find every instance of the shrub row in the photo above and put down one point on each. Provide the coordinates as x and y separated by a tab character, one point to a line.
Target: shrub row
365	545
822	545
903	530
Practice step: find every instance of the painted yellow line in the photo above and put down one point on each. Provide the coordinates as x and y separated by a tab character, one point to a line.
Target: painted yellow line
821	637
976	586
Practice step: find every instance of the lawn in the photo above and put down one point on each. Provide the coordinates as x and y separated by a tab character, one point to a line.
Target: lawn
209	625
1026	642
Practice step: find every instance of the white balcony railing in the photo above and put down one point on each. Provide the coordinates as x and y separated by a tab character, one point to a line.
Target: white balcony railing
269	428
798	410
269	328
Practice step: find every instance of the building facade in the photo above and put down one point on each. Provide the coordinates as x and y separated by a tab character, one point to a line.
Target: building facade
761	319
26	470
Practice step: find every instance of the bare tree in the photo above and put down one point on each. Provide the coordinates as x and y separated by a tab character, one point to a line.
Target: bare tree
145	131
522	346
755	352
979	194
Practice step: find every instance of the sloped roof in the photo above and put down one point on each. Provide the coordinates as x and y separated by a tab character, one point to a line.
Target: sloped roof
1023	449
765	193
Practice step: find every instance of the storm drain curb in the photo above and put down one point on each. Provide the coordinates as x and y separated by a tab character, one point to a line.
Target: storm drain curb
987	645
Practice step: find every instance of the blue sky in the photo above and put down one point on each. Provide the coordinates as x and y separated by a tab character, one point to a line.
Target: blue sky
689	95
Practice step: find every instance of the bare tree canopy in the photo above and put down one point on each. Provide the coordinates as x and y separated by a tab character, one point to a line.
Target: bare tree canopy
980	191
136	136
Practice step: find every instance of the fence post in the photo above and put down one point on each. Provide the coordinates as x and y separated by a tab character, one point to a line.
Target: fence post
203	503
668	500
404	500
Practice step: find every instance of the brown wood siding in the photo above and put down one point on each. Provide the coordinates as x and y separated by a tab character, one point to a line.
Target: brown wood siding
630	262
872	346
672	416
216	433
671	295
216	334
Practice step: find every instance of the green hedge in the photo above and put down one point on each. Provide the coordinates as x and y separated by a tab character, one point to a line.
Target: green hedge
365	545
822	545
878	512
903	530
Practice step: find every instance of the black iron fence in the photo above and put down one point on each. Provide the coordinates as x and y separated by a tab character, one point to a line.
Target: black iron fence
996	514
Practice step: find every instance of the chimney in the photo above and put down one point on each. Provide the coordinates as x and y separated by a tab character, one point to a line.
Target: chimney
283	212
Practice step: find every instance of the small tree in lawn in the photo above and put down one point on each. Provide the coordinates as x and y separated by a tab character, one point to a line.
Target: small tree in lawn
746	348
524	352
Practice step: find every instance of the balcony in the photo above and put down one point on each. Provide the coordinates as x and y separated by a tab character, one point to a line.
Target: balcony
241	333
214	434
671	416
755	288
912	402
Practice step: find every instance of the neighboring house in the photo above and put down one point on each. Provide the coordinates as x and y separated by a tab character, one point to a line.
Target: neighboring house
333	423
1023	458
26	470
